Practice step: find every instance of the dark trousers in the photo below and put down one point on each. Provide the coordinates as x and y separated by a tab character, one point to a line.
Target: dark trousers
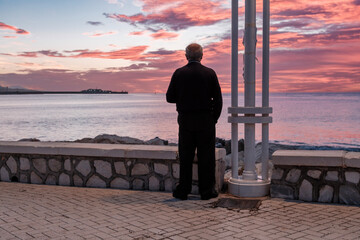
197	132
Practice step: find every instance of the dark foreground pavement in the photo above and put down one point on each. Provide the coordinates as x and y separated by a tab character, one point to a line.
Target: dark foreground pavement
54	212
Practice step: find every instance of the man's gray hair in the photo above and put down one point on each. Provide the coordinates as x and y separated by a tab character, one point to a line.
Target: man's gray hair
194	52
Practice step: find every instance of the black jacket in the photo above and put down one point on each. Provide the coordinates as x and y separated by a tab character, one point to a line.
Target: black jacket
195	89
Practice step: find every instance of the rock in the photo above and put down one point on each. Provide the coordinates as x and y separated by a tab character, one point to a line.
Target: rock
54	165
258	168
138	184
95	181
349	195
326	194
222	143
293	175
258	152
241	145
24	163
64	180
117	139
103	168
85	140
78	182
34	178
40	165
120	183
84	167
161	169
332	176
352	177
241	157
270	169
281	191
4	175
111	139
11	163
23	178
120	168
50	180
140	169
168	185
29	140
305	191
154	184
67	165
176	170
227	146
218	145
157	141
277	174
228	162
227	175
314	174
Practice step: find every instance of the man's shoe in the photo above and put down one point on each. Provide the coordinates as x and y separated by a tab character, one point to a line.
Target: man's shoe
208	195
178	195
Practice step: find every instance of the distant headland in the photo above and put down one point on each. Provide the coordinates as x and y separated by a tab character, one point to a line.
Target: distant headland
8	91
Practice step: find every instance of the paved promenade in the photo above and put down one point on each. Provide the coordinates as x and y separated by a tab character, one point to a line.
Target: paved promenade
54	212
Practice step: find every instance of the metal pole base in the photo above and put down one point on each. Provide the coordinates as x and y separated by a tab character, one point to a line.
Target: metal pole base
249	188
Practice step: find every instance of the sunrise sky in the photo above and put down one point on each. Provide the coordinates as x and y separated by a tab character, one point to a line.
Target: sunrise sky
136	45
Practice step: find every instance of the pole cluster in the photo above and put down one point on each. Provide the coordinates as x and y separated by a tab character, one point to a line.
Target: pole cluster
249	184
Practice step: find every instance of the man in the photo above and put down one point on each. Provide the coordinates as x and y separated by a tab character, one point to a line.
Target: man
196	91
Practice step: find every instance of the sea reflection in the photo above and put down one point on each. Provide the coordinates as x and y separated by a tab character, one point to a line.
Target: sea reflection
317	119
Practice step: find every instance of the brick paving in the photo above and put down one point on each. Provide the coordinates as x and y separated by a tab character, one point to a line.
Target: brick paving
55	212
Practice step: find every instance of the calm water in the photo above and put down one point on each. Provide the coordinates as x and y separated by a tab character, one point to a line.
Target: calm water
314	119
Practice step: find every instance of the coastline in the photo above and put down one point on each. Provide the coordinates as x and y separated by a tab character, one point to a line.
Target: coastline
219	143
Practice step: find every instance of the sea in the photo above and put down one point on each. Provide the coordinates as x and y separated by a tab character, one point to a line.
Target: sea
307	119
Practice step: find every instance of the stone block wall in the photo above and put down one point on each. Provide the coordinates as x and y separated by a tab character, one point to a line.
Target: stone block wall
142	174
137	167
317	176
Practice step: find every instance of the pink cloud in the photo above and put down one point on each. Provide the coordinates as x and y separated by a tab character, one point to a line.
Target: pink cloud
316	69
137	33
162	34
132	53
17	30
327	69
99	34
177	15
327	11
48	53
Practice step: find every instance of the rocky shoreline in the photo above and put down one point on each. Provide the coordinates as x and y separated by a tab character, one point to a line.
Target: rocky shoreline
220	143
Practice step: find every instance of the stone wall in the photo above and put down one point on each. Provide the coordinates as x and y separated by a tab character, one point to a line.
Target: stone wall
317	176
137	167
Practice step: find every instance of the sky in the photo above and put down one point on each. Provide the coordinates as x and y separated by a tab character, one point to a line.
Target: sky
136	45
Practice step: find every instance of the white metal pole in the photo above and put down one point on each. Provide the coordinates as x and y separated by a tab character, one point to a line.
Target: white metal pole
249	77
265	88
234	86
